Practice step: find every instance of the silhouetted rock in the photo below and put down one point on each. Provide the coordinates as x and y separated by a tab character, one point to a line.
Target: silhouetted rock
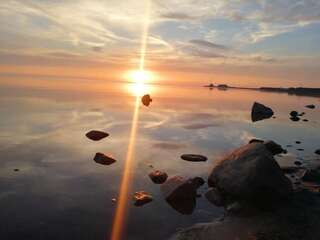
146	100
249	174
158	177
301	114
305	120
16	169
96	135
298	142
311	176
254	140
141	198
300	149
295	119
260	112
294	114
317	151
194	158
273	147
311	106
181	193
103	159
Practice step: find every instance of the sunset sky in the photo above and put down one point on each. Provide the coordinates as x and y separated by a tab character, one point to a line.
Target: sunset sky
240	42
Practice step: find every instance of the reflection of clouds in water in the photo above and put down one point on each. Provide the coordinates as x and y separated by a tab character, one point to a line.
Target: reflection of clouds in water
169	145
200	125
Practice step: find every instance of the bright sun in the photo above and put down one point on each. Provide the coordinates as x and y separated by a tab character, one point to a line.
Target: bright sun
140	81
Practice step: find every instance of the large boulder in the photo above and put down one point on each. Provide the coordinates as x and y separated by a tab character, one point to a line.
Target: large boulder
260	112
249	174
181	193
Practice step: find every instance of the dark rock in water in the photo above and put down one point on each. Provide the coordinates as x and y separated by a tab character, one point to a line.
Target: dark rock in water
294	114
96	135
311	106
295	119
305	120
215	197
181	193
249	174
16	169
254	140
317	151
300	149
298	142
146	100
103	159
194	158
158	177
298	163
260	112
301	114
273	147
311	176
285	151
141	198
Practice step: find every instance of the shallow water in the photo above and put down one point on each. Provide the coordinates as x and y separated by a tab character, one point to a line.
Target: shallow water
59	192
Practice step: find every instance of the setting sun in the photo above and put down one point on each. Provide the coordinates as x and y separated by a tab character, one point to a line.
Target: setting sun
140	76
140	81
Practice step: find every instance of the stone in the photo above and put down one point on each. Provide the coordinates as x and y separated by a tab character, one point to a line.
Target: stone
146	100
317	151
294	114
141	198
181	193
311	106
311	176
298	163
260	112
194	158
273	147
295	119
250	174
158	177
96	135
254	140
103	159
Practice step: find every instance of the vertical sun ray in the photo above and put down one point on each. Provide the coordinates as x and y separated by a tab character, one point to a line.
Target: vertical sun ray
121	210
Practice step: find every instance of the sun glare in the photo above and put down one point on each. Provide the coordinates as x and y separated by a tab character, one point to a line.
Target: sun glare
140	82
140	76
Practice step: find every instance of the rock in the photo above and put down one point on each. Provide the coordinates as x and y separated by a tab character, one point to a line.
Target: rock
311	106
96	135
298	163
298	142
311	176
300	149
158	177
291	170
16	169
305	120
301	114
294	114
141	198
194	158
146	100
317	151
103	159
273	147
181	193
214	197
295	119
254	140
260	112
249	174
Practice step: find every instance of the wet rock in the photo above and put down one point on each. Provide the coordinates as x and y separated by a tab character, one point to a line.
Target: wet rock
181	193
146	100
300	149
294	114
305	120
317	151
311	176
96	135
194	158
254	140
273	147
158	177
298	163
311	106
249	174
260	112
141	198
103	159
298	142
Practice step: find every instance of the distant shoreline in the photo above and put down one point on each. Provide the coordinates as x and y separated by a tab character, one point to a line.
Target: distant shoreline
299	91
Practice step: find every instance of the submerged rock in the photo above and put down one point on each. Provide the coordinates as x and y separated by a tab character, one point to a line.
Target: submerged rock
311	106
260	112
146	100
96	135
103	159
158	177
181	193
194	158
141	198
249	174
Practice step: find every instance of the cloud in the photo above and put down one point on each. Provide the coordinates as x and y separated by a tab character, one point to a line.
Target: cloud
177	16
207	44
